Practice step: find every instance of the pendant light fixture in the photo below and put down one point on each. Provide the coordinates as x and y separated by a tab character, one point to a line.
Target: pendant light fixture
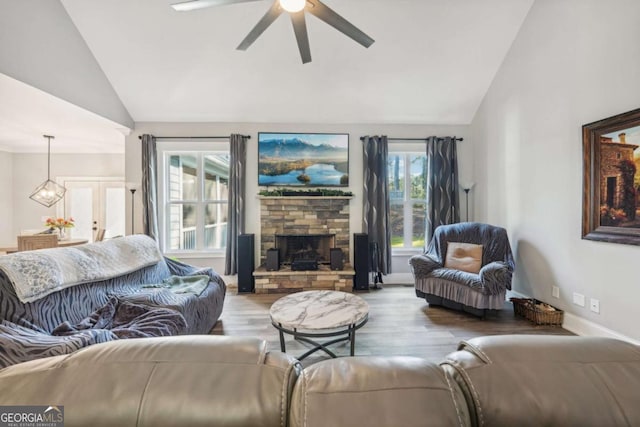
49	192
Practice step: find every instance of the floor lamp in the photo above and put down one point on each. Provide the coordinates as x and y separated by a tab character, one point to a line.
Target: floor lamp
466	194
466	187
133	191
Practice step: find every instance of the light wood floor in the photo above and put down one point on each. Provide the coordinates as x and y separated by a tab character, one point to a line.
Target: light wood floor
399	324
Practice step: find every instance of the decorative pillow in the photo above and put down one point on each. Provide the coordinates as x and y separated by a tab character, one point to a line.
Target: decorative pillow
464	256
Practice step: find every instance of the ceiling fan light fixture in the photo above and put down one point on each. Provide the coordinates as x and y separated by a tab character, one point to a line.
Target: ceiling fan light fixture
293	6
297	10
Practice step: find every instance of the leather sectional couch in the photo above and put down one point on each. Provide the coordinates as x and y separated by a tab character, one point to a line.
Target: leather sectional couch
230	381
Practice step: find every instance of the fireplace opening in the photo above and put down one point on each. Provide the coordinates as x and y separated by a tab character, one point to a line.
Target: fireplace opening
305	248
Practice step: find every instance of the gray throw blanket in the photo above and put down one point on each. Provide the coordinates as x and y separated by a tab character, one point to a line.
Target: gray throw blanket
129	320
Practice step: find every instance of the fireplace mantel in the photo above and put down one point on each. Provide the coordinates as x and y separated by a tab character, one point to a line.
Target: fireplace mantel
305	197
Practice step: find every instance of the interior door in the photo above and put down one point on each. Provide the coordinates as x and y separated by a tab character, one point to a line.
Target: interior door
95	205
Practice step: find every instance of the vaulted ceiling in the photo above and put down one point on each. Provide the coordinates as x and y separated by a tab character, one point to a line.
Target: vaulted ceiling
432	61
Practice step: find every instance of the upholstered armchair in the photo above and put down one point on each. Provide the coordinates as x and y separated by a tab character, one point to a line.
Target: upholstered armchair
467	266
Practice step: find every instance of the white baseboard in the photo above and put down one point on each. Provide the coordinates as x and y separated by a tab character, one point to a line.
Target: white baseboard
399	278
583	327
516	295
231	281
587	328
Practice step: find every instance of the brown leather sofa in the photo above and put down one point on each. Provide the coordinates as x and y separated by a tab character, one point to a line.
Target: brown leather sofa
228	381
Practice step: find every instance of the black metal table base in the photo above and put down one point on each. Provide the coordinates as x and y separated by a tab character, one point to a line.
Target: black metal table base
348	334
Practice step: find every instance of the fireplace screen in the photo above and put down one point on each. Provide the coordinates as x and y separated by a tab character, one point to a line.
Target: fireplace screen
305	247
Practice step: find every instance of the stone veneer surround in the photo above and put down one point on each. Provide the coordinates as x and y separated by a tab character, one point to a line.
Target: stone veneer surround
304	215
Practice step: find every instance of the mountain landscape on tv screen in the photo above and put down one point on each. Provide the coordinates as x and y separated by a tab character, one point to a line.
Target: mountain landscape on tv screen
294	162
296	148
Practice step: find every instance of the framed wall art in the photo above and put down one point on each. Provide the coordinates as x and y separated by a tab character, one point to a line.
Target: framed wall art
611	179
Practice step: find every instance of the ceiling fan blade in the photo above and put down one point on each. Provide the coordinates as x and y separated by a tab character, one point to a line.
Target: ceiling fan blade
300	28
268	18
201	4
326	14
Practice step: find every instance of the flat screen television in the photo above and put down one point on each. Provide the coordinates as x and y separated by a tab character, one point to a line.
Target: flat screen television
303	159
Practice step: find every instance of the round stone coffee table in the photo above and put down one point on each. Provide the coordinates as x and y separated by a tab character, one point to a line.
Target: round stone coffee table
319	314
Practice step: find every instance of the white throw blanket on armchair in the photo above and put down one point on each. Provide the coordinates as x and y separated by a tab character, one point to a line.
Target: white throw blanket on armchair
35	274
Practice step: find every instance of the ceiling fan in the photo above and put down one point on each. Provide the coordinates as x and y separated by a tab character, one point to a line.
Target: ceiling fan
296	9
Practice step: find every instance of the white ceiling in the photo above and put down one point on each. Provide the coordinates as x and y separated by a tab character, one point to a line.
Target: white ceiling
432	62
27	113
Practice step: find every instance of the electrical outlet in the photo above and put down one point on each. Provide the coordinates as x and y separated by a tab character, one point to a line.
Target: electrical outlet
555	292
578	299
595	305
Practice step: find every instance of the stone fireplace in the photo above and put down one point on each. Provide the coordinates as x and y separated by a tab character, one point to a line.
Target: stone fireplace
303	216
304	227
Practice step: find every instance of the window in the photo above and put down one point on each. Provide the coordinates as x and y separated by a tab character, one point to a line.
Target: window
196	191
407	174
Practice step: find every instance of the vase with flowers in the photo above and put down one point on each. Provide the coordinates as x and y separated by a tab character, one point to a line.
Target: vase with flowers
60	226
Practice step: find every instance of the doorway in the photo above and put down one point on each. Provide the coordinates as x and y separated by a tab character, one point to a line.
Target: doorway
611	190
95	204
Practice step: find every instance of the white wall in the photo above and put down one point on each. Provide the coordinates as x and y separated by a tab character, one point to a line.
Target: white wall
6	192
252	218
30	170
573	62
40	46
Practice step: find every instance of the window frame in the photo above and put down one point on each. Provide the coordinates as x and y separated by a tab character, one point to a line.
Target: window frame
408	202
200	149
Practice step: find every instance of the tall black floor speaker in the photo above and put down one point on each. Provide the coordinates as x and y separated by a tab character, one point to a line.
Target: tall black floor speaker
361	261
246	266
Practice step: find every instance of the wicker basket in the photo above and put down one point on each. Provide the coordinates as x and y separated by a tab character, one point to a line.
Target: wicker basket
530	309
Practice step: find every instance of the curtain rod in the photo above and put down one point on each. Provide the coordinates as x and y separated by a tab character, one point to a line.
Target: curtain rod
415	139
195	137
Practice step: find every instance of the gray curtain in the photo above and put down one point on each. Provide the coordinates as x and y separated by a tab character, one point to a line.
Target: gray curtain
375	219
442	184
235	218
150	186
